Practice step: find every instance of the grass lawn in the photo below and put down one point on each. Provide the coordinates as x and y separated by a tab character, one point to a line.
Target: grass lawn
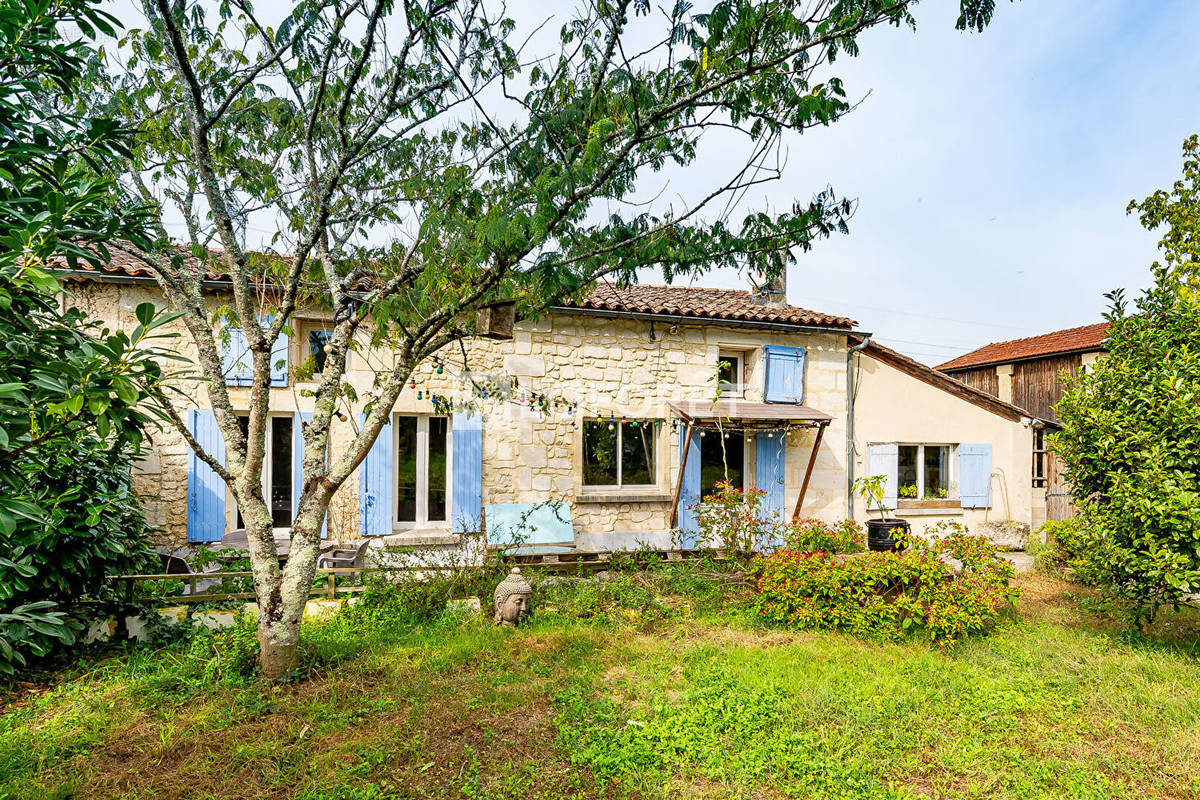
694	704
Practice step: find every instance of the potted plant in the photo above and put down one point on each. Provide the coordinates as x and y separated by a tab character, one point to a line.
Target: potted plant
882	534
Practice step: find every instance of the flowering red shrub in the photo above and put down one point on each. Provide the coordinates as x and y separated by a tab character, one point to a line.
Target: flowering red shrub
811	535
735	519
731	518
883	594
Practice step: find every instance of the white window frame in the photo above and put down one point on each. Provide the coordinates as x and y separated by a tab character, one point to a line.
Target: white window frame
303	328
738	359
951	471
422	516
268	471
620	484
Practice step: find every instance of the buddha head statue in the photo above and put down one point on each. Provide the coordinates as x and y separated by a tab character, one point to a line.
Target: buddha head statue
512	599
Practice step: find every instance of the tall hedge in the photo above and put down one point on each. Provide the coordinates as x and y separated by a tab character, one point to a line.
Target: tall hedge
1130	444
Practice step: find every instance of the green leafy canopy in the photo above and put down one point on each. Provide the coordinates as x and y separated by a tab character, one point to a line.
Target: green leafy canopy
71	391
1131	426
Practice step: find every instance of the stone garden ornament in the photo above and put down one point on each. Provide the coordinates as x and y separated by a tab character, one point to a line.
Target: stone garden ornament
512	599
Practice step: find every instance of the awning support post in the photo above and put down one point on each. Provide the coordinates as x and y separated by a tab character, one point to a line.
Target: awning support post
812	460
687	443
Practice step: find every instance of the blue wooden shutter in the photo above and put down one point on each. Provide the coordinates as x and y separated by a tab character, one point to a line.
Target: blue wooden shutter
238	367
770	462
235	358
375	479
974	475
206	490
784	374
690	492
466	480
884	459
298	422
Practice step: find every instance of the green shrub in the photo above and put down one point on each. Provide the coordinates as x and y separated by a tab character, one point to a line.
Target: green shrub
885	594
1069	550
1130	429
812	535
414	597
89	526
732	519
33	630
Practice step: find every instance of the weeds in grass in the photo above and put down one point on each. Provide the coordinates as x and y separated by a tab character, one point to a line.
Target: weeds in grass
588	701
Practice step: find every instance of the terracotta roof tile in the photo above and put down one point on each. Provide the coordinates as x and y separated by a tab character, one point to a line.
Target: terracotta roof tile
702	303
123	263
1071	340
683	301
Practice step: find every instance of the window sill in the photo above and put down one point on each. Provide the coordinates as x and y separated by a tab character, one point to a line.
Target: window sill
938	503
421	538
929	508
651	495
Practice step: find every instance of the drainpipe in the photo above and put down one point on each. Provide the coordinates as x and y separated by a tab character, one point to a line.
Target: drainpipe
850	423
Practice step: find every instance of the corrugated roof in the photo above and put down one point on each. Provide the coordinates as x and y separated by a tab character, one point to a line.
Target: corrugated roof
744	410
1071	340
702	303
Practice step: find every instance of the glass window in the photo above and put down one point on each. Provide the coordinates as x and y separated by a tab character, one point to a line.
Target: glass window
317	339
280	454
277	470
906	476
637	455
1039	457
722	457
600	453
923	471
937	471
729	373
422	470
406	469
438	427
619	453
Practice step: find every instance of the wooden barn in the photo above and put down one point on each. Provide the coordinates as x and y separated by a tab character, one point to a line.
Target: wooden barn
1029	373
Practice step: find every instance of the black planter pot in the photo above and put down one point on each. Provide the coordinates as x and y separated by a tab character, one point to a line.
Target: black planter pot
882	536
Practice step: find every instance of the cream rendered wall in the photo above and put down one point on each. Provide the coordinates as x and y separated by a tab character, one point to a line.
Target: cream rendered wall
892	406
610	366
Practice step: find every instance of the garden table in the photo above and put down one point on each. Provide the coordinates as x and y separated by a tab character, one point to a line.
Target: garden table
238	540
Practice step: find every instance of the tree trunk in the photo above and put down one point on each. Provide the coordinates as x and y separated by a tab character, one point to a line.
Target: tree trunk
278	646
282	608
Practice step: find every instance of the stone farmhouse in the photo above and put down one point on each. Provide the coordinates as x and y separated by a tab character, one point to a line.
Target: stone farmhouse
807	403
1029	373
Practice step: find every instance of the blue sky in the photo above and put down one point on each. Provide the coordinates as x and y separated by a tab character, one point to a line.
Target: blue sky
993	170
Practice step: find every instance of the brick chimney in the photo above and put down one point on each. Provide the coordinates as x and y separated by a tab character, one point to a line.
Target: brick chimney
773	293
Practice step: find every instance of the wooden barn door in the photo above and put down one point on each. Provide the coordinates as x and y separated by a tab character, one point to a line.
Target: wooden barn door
1058	494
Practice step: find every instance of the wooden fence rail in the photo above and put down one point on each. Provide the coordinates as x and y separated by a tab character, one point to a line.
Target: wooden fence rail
573	562
330	588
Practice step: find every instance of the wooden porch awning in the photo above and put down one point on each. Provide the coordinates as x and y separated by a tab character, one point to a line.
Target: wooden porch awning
744	414
702	413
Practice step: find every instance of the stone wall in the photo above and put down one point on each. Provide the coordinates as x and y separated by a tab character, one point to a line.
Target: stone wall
610	366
